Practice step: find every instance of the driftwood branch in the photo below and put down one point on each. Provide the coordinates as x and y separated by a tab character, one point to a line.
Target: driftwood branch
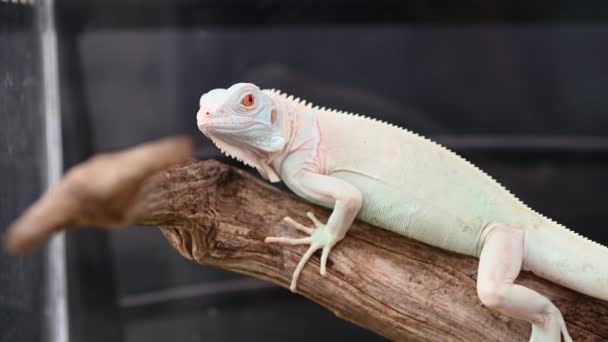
218	216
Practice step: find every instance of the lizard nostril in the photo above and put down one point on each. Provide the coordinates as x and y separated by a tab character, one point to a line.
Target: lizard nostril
207	114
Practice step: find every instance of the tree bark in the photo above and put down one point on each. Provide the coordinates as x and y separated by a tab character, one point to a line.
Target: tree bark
218	216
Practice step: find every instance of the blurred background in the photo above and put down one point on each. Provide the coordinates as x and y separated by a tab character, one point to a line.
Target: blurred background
519	89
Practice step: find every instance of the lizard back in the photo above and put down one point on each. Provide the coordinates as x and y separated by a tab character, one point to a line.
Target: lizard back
414	186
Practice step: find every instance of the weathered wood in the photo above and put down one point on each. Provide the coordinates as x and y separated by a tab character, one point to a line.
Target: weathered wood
218	216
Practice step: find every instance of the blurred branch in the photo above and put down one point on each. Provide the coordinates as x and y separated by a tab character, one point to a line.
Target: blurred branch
218	216
97	193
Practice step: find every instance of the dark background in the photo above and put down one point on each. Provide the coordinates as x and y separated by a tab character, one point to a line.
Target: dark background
22	168
518	88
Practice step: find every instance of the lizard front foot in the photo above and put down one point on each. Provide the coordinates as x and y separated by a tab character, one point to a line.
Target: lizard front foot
320	238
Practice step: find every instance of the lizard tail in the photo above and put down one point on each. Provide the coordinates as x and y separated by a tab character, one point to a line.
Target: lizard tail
560	255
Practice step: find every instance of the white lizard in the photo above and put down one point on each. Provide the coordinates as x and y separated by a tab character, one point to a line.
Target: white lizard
405	183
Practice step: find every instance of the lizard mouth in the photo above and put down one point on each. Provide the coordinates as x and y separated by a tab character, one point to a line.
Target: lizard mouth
226	126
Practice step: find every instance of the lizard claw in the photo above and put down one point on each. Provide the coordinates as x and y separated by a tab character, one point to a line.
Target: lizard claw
314	220
319	238
299	226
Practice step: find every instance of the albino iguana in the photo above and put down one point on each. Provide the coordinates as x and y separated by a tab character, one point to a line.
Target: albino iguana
405	183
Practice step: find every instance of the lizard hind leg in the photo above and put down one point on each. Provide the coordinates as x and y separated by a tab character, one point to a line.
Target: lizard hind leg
500	262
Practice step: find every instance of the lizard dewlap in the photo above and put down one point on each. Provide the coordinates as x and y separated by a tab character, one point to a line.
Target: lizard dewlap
400	181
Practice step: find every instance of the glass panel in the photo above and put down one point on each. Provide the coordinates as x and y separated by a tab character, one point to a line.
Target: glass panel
474	79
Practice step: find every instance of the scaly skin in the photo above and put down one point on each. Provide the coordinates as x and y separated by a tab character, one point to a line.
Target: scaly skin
400	181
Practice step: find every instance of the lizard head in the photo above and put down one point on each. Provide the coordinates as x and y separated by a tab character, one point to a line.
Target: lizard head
242	121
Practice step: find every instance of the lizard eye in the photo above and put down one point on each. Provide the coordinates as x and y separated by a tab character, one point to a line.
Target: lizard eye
248	100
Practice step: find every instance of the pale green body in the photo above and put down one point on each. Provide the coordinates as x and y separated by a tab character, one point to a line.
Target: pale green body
419	189
413	186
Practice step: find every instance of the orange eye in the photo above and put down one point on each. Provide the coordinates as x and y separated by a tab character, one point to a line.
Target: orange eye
248	100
